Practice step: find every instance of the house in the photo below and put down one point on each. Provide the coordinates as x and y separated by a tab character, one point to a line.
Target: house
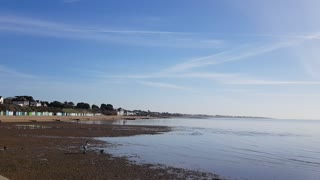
120	112
36	103
44	103
21	101
130	113
1	100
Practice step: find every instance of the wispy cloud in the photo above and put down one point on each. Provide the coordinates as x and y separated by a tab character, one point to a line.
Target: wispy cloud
228	56
163	75
186	70
222	78
162	85
282	95
38	27
272	82
11	73
278	36
242	53
161	38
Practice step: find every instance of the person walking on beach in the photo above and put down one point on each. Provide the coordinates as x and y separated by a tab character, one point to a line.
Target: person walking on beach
85	147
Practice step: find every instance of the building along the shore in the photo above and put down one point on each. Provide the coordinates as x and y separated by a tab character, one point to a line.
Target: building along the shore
1	100
36	103
21	101
120	112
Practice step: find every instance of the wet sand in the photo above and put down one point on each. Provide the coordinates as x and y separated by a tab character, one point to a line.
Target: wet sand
51	150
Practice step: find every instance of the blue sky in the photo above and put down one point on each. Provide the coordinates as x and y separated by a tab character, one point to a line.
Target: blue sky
249	57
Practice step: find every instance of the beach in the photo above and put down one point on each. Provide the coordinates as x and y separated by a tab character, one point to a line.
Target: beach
51	150
68	118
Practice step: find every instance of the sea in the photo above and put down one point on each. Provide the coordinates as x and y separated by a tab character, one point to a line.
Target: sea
234	148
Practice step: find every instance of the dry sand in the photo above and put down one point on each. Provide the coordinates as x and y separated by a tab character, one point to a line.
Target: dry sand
51	150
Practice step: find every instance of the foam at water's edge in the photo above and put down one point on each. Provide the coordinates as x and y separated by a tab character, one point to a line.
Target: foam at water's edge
3	178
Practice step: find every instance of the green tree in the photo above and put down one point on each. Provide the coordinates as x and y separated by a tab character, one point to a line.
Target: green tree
56	104
106	107
82	105
94	107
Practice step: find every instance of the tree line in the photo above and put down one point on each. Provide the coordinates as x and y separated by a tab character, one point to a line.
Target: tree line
106	109
80	105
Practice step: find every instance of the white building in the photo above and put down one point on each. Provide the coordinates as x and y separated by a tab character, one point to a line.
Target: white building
20	103
121	112
129	113
36	103
1	100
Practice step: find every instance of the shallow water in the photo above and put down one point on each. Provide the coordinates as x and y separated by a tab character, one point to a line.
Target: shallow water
27	126
233	148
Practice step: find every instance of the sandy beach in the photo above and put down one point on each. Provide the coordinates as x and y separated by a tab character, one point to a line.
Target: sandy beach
66	118
51	150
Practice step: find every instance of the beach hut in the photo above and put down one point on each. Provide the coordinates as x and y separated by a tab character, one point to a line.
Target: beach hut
1	113
9	113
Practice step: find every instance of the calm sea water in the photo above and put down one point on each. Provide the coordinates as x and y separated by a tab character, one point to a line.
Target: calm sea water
260	149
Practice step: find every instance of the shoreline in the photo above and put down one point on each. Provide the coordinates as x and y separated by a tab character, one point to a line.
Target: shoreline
3	178
51	150
23	119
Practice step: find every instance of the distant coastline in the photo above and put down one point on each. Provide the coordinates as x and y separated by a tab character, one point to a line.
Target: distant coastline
29	109
204	116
